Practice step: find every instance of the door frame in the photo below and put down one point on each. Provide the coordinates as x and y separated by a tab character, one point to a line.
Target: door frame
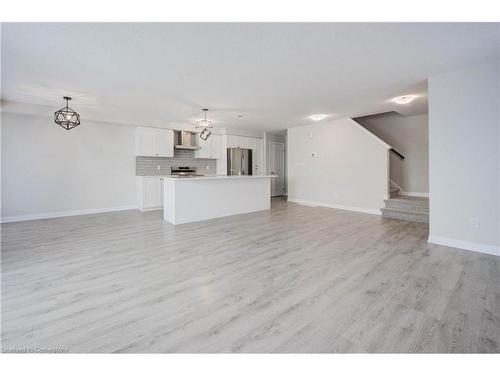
271	156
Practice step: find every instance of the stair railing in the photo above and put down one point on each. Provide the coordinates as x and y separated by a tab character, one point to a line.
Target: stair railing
398	154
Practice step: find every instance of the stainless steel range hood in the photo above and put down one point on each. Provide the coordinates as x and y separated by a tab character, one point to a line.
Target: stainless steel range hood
185	140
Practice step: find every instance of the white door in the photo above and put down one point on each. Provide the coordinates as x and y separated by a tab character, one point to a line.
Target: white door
277	164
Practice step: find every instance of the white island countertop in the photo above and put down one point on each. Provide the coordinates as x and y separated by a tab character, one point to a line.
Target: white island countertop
195	198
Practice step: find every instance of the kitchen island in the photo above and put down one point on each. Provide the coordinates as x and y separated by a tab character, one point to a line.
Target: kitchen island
188	199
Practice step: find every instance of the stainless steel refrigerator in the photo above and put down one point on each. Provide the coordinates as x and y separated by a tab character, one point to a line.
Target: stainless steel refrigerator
239	161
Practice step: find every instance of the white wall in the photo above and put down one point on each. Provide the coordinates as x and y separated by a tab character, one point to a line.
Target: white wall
47	170
349	168
464	164
408	135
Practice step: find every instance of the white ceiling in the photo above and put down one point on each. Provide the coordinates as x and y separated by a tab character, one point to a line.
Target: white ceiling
275	75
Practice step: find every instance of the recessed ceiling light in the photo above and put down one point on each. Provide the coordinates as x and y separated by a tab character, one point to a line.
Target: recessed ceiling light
405	99
318	117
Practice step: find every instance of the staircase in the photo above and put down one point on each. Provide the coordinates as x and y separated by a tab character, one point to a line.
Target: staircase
401	207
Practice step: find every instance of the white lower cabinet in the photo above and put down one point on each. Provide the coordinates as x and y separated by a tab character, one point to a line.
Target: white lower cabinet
149	193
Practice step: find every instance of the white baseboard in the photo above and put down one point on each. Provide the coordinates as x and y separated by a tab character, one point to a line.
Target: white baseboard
371	211
50	215
465	245
414	194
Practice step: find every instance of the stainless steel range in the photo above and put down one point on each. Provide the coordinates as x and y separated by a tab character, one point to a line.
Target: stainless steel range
184	171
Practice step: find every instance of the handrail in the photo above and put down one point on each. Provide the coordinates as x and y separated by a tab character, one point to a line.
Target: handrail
398	154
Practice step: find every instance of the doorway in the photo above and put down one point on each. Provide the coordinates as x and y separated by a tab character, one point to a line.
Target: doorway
277	167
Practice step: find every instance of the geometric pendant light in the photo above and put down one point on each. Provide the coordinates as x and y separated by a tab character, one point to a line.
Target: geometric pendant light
205	125
66	117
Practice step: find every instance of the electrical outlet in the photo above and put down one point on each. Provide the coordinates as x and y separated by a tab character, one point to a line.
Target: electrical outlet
208	167
474	222
158	167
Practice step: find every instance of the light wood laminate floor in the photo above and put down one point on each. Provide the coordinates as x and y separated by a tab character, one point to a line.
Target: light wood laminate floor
292	279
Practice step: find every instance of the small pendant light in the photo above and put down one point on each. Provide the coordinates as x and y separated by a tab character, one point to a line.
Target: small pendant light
205	124
66	117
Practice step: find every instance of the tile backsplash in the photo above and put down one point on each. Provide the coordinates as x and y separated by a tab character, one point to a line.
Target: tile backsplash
148	166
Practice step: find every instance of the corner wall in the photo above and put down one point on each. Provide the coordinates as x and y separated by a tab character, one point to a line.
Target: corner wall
337	164
464	165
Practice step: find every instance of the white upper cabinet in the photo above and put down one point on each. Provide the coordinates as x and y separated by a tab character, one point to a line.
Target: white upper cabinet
215	146
145	141
243	142
154	142
251	143
210	149
233	141
165	143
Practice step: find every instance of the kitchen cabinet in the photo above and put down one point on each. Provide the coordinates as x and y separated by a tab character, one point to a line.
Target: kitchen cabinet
149	193
251	143
233	141
210	149
154	142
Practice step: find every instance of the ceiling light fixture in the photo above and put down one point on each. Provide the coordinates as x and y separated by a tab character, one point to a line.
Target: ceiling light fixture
405	99
66	117
318	117
205	124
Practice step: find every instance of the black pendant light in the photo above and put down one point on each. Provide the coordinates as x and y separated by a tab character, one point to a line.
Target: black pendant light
205	124
66	117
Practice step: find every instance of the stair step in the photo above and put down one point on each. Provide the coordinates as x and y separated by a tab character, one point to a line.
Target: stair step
406	215
409	203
